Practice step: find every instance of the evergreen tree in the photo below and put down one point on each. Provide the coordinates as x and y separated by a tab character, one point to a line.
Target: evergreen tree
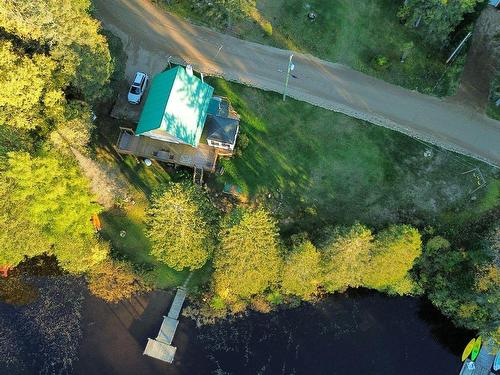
181	223
248	260
301	274
394	252
47	208
345	257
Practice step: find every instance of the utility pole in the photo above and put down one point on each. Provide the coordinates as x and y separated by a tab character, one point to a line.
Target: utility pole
290	68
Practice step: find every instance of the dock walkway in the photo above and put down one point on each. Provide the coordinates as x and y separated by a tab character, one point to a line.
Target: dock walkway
161	348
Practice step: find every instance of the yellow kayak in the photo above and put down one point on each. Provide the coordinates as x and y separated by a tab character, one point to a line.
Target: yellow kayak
476	349
468	349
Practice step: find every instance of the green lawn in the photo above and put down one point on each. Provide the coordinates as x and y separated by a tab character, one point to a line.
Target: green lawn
323	168
365	35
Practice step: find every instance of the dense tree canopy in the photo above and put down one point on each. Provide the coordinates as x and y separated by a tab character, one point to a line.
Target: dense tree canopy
30	98
394	252
18	235
248	260
463	284
438	18
52	57
301	274
46	207
65	30
345	257
181	226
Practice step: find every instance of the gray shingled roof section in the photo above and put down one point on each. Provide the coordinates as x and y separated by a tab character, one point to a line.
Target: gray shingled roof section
222	129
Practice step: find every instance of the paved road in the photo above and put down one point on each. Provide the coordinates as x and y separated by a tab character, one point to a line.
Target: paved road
151	35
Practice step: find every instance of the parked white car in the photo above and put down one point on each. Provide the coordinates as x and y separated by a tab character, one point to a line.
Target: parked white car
138	87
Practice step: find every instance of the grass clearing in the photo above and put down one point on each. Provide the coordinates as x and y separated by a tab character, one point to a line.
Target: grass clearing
315	167
365	35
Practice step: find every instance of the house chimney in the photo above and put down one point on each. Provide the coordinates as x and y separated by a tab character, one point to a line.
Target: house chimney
189	70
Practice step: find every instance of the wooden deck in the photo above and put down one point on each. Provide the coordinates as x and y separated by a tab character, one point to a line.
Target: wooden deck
204	156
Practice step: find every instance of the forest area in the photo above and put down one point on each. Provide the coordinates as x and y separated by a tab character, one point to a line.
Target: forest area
58	70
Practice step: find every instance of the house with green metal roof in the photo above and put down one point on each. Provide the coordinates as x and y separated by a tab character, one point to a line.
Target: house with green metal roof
182	122
176	107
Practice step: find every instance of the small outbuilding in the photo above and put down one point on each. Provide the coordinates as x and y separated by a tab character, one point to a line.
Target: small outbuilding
495	3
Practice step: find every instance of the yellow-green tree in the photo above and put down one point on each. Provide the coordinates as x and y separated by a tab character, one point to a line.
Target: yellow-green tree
181	226
301	274
394	252
248	259
71	36
30	98
345	257
46	207
18	235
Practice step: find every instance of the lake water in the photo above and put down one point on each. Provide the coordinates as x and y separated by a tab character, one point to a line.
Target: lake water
359	332
356	333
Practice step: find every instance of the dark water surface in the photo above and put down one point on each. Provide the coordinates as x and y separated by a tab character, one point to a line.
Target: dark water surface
358	332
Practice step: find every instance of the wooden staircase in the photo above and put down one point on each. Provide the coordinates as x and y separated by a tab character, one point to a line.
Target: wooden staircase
198	175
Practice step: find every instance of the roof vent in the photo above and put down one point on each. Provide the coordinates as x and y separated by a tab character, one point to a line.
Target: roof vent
189	70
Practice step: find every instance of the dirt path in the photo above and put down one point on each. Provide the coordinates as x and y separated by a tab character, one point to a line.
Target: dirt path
105	183
150	36
481	62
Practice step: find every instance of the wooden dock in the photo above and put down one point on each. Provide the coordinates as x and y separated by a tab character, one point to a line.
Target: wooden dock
161	348
483	363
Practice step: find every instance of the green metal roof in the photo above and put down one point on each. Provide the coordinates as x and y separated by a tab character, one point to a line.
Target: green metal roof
177	103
